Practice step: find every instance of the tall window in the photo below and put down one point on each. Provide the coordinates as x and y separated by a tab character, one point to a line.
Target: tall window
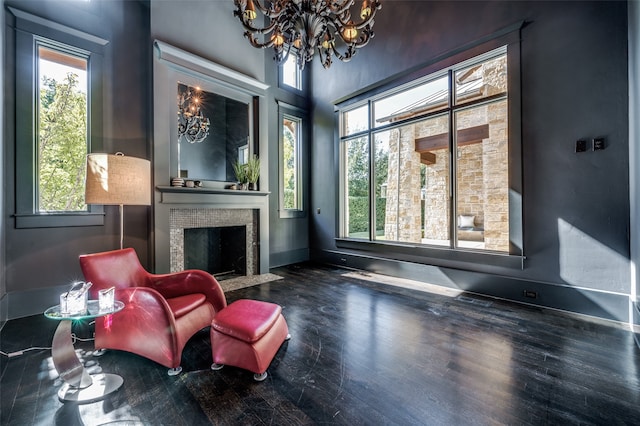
290	158
290	72
291	164
62	138
58	80
428	163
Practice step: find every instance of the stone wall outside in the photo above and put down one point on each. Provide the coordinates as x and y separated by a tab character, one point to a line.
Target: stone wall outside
482	178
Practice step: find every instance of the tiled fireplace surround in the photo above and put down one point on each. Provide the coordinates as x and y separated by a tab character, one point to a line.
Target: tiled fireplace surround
181	219
178	209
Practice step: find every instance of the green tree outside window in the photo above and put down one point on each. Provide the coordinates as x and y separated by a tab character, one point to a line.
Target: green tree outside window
62	144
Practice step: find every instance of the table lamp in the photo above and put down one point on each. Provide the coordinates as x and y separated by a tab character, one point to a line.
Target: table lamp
115	179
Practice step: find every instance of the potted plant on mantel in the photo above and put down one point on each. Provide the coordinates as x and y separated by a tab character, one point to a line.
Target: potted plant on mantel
252	170
240	170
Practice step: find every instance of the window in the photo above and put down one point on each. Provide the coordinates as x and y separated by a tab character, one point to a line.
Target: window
243	154
427	164
62	139
290	158
291	164
290	73
58	121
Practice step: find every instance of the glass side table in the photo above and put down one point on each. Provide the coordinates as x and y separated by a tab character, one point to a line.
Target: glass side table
80	386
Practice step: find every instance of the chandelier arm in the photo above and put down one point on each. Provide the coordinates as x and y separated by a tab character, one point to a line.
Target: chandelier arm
344	16
344	21
276	10
363	38
242	4
363	41
247	26
337	8
255	43
282	54
368	22
346	57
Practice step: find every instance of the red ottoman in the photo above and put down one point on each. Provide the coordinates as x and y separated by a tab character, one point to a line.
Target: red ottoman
247	334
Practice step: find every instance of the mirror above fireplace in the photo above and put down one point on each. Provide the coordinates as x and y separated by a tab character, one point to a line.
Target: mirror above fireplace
205	117
214	131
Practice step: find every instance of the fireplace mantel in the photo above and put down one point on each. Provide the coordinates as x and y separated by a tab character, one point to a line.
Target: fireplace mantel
172	198
197	191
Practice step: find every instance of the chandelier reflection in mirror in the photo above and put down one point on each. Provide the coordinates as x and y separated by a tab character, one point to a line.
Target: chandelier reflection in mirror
192	124
308	25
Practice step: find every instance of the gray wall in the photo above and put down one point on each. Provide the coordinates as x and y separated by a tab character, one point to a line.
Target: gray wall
40	262
634	149
3	288
574	85
208	29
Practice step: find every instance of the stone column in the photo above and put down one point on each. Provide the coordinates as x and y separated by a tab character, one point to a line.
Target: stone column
403	210
496	180
391	211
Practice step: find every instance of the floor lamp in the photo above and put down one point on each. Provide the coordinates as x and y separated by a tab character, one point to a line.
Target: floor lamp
115	179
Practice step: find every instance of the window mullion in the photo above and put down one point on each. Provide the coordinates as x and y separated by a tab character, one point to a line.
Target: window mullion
372	189
453	235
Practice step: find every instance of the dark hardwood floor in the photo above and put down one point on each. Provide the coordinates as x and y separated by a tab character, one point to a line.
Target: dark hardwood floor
361	353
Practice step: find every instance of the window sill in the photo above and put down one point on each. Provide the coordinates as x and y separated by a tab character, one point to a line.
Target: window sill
58	220
291	214
432	255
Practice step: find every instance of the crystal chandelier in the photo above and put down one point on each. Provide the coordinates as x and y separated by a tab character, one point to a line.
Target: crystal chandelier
308	25
192	125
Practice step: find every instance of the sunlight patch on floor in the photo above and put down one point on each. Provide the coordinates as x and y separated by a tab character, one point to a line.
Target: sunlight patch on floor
404	283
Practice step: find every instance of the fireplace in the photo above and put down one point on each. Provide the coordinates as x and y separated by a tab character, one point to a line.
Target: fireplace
223	242
221	250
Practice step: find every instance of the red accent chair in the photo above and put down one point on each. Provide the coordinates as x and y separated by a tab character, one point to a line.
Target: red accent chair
247	334
162	311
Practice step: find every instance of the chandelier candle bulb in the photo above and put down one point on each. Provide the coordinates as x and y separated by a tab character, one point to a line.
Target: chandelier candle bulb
350	33
278	40
250	11
365	12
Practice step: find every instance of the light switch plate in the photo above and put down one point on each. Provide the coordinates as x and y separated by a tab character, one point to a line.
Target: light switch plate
598	144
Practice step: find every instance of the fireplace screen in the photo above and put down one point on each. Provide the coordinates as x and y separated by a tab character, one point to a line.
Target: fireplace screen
220	251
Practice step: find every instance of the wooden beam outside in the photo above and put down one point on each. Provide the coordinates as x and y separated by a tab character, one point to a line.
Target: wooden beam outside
467	136
427	158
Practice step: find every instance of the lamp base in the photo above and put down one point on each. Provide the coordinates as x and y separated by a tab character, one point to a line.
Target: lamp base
103	385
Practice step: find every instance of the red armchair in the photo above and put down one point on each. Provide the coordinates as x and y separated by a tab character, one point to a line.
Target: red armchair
162	311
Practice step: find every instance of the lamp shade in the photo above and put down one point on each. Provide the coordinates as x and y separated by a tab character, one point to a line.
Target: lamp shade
118	179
